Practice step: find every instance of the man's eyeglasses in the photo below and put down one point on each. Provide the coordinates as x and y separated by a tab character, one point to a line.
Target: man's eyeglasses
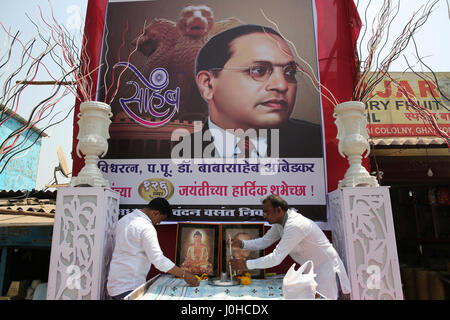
262	71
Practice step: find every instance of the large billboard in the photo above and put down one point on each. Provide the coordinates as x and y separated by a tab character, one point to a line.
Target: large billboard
216	106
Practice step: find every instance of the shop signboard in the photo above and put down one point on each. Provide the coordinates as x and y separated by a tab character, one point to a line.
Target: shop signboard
391	114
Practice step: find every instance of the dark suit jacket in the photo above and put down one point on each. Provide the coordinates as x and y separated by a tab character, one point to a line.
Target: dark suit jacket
297	139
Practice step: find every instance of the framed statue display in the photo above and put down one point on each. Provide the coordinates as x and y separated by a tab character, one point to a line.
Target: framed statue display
197	249
245	231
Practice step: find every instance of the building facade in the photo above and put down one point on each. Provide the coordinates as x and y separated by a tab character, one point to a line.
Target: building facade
411	157
20	170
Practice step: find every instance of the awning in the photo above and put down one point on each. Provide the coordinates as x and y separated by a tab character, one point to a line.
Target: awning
408	141
27	212
15	220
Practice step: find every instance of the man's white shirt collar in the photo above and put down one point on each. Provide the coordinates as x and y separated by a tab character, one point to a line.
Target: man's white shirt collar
226	148
139	212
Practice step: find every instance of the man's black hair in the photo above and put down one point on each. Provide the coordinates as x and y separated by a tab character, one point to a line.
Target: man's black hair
162	205
217	51
277	201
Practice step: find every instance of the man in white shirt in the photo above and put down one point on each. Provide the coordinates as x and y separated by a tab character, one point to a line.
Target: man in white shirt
137	249
303	240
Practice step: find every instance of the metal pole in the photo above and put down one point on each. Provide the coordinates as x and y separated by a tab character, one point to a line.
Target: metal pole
231	257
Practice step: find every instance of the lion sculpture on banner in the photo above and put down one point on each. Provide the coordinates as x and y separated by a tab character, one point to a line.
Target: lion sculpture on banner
174	46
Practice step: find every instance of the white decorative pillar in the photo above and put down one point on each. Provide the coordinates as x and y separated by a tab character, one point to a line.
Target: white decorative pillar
92	142
82	243
351	123
364	236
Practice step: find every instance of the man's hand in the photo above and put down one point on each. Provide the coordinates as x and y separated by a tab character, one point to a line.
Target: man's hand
191	279
238	264
186	275
235	242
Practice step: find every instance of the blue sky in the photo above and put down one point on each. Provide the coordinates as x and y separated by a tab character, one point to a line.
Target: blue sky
432	38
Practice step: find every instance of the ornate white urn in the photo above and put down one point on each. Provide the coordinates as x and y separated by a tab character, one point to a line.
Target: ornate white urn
94	121
351	123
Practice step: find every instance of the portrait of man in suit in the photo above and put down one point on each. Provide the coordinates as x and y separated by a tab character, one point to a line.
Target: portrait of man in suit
248	77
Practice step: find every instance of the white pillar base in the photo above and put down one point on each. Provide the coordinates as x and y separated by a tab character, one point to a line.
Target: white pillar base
363	234
82	243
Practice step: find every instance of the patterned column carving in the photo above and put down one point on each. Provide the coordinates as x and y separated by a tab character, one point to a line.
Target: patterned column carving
82	243
364	236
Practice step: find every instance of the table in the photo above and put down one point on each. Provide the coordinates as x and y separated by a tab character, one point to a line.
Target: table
167	287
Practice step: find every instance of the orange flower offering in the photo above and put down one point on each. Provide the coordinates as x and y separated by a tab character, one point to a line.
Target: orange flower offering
246	281
204	276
